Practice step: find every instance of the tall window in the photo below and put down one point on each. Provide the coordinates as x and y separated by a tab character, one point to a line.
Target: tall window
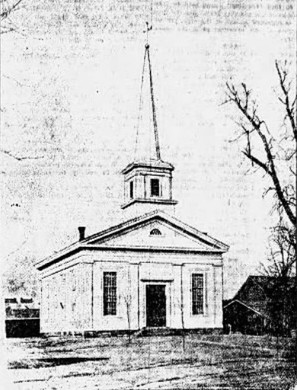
109	293
131	189
155	187
197	294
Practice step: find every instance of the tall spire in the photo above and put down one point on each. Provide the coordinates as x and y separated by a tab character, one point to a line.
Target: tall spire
147	179
147	139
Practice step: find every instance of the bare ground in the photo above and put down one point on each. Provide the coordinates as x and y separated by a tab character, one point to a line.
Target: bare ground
206	362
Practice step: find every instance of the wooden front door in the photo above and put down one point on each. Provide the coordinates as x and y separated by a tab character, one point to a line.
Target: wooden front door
155	305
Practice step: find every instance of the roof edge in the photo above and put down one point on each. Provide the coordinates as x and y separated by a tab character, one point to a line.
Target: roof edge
153	164
91	247
157	201
218	246
247	306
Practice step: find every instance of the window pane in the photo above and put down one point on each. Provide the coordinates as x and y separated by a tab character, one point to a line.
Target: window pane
155	187
109	293
131	190
155	232
197	293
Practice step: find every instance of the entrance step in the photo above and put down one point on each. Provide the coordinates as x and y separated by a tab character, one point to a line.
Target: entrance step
155	331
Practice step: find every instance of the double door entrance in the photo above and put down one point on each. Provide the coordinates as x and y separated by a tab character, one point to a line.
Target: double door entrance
155	305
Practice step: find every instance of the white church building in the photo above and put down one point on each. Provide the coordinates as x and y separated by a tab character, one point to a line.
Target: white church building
150	271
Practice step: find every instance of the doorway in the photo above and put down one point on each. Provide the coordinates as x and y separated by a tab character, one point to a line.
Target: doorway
155	305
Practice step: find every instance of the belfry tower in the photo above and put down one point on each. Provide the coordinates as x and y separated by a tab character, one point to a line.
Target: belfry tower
147	179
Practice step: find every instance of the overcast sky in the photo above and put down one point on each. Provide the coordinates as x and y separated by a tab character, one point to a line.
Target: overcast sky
70	92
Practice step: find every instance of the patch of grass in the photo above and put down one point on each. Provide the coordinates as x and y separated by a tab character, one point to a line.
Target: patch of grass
240	362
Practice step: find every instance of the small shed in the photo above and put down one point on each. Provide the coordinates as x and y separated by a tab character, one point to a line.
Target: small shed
240	317
22	318
263	304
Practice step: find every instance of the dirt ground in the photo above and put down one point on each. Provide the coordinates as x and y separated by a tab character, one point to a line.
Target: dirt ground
195	362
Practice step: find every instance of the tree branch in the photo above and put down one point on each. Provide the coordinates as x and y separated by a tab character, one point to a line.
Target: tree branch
249	112
282	74
18	158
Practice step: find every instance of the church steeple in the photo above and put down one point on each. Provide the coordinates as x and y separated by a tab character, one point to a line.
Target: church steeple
147	139
148	179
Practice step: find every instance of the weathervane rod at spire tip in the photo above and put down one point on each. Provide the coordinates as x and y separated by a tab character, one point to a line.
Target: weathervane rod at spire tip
148	29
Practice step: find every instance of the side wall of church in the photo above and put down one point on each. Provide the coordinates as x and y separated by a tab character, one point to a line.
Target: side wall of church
66	299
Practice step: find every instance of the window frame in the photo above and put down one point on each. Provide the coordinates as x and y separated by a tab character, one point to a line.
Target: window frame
155	232
131	189
154	179
113	311
203	313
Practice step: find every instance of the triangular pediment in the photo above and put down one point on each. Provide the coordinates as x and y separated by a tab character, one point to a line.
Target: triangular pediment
152	234
169	234
157	231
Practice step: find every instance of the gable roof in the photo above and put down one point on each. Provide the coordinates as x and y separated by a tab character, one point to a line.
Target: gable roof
96	241
259	281
249	307
253	293
161	216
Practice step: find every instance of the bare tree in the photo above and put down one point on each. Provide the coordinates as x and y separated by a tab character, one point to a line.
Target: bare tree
280	289
128	301
275	156
282	251
7	10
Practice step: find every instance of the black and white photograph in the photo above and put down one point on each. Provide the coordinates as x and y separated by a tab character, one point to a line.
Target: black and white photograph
148	156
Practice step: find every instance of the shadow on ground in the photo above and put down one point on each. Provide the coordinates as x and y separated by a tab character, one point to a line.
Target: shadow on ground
52	362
